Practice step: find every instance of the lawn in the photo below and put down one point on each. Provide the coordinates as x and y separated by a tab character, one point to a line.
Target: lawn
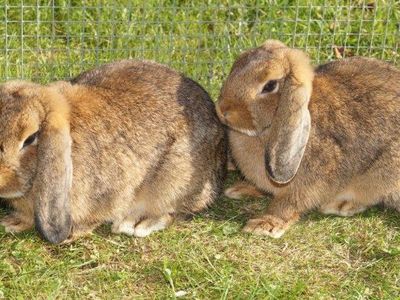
210	258
207	257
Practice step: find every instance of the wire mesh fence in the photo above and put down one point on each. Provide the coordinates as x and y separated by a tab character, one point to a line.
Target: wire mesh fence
45	40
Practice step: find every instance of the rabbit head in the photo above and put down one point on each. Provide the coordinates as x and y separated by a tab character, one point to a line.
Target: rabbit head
35	153
266	95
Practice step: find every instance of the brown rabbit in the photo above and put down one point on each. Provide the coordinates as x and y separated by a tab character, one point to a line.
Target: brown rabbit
327	138
132	142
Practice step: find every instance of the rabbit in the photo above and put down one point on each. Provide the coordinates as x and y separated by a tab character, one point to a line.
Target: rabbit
132	143
326	138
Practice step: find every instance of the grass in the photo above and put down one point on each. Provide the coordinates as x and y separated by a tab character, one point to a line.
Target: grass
208	257
44	42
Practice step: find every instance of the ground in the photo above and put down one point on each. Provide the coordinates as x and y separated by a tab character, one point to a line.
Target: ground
209	257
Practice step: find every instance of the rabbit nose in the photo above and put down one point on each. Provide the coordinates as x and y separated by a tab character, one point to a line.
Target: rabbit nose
222	112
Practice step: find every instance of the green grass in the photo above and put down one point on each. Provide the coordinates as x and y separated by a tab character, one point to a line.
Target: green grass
208	257
199	38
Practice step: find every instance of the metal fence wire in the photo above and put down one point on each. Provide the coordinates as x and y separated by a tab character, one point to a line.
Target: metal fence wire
57	39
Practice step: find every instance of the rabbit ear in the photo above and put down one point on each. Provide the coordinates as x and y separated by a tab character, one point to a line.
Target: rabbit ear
54	177
273	45
290	128
289	135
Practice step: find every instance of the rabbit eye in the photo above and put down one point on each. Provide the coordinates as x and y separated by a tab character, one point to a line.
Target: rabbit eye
30	140
270	87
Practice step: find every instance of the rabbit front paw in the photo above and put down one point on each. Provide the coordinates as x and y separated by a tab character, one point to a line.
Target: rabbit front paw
144	227
267	225
242	189
15	223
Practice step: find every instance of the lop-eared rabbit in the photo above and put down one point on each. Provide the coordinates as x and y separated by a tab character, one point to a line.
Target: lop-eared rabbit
325	138
132	143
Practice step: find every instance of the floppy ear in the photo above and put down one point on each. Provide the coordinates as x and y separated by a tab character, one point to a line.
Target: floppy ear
289	135
290	128
53	180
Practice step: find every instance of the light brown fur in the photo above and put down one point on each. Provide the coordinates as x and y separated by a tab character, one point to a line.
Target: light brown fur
142	145
243	188
352	157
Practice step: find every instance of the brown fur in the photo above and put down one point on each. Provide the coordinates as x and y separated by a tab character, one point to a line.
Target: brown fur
352	158
243	188
133	143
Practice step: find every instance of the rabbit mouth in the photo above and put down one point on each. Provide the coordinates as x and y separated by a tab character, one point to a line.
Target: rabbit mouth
11	195
16	191
247	132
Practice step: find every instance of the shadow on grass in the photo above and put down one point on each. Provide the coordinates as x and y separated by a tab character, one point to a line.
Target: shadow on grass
237	210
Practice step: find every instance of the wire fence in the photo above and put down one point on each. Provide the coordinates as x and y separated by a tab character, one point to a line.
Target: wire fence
56	39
